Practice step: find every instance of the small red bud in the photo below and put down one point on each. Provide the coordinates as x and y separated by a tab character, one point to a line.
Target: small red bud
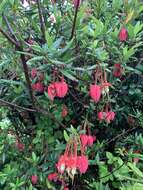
123	34
34	179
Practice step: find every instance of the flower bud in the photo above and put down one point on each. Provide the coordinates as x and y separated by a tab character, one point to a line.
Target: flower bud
123	34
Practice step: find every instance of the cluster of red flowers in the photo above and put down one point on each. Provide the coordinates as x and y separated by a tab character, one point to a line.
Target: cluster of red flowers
96	91
87	140
73	159
71	163
57	89
106	116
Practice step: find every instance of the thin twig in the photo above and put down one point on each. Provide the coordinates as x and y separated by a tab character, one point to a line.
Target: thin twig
42	23
120	135
37	110
75	18
26	72
77	100
45	112
113	171
8	37
19	47
12	105
10	28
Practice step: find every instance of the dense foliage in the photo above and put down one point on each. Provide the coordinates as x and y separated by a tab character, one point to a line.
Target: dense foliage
71	94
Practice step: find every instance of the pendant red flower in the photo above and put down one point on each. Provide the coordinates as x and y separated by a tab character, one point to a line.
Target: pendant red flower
110	116
100	116
61	89
38	86
52	91
82	163
87	140
91	140
61	165
84	140
95	92
71	162
57	89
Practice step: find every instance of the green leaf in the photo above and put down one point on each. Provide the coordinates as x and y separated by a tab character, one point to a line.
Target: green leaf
35	59
137	28
66	136
68	75
135	169
127	53
12	82
34	157
2	4
49	39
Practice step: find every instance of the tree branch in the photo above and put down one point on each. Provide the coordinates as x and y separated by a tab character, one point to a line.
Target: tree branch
42	23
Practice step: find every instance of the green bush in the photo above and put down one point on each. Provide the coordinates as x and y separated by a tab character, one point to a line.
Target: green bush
71	94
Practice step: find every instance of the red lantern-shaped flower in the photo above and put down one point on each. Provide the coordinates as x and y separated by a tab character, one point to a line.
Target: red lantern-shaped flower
87	140
100	116
91	140
95	92
71	164
84	140
110	116
52	91
61	165
82	163
61	89
38	86
57	89
123	34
